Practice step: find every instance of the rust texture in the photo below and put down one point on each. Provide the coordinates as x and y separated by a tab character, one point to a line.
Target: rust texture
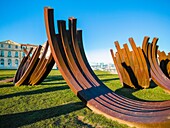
34	69
138	67
130	65
68	53
157	75
164	62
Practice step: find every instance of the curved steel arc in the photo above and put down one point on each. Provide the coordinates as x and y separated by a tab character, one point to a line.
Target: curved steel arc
135	102
121	59
34	59
156	73
75	45
99	82
98	97
33	70
154	59
43	68
57	54
131	65
23	62
146	104
116	65
164	63
39	64
80	79
139	66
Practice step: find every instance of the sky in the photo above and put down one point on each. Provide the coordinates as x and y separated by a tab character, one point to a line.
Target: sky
102	22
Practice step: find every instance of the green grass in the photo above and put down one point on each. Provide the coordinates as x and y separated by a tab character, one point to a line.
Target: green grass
53	104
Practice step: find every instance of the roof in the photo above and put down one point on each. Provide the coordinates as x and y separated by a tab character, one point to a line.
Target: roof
15	43
10	42
28	45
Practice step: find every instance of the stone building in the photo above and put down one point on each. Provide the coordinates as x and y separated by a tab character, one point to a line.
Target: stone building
11	54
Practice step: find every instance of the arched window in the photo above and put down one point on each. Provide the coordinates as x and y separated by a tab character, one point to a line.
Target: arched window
9	53
16	62
9	46
16	54
2	62
2	53
2	45
16	46
9	62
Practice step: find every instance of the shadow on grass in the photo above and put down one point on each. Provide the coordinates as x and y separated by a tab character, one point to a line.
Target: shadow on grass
44	90
72	122
127	92
6	85
26	118
55	83
52	78
153	84
105	80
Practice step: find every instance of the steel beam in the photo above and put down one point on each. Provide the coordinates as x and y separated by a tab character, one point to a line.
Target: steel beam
68	53
34	69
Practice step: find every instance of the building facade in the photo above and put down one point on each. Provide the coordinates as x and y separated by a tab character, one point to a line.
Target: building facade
11	54
104	67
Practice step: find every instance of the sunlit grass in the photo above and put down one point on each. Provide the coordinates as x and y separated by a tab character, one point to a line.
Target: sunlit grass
53	104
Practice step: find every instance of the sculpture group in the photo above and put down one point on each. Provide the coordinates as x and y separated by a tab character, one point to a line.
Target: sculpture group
68	53
131	64
34	69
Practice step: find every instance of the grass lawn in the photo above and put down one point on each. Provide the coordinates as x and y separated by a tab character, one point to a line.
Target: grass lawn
53	104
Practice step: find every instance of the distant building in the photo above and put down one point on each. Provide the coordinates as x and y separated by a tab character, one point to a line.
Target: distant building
104	67
11	54
111	68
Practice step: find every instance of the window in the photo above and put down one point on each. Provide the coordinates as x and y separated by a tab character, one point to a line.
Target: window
2	45
9	62
16	54
9	46
23	47
23	54
16	62
16	46
9	53
2	62
2	53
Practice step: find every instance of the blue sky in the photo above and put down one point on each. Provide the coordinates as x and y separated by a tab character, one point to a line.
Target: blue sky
102	22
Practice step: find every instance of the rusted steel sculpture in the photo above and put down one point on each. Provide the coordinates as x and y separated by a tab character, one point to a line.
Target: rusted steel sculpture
137	67
157	75
68	53
164	62
130	65
34	69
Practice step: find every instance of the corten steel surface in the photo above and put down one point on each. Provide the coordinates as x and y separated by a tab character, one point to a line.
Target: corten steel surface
21	75
43	67
117	66
157	75
164	63
33	70
130	65
68	53
121	59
